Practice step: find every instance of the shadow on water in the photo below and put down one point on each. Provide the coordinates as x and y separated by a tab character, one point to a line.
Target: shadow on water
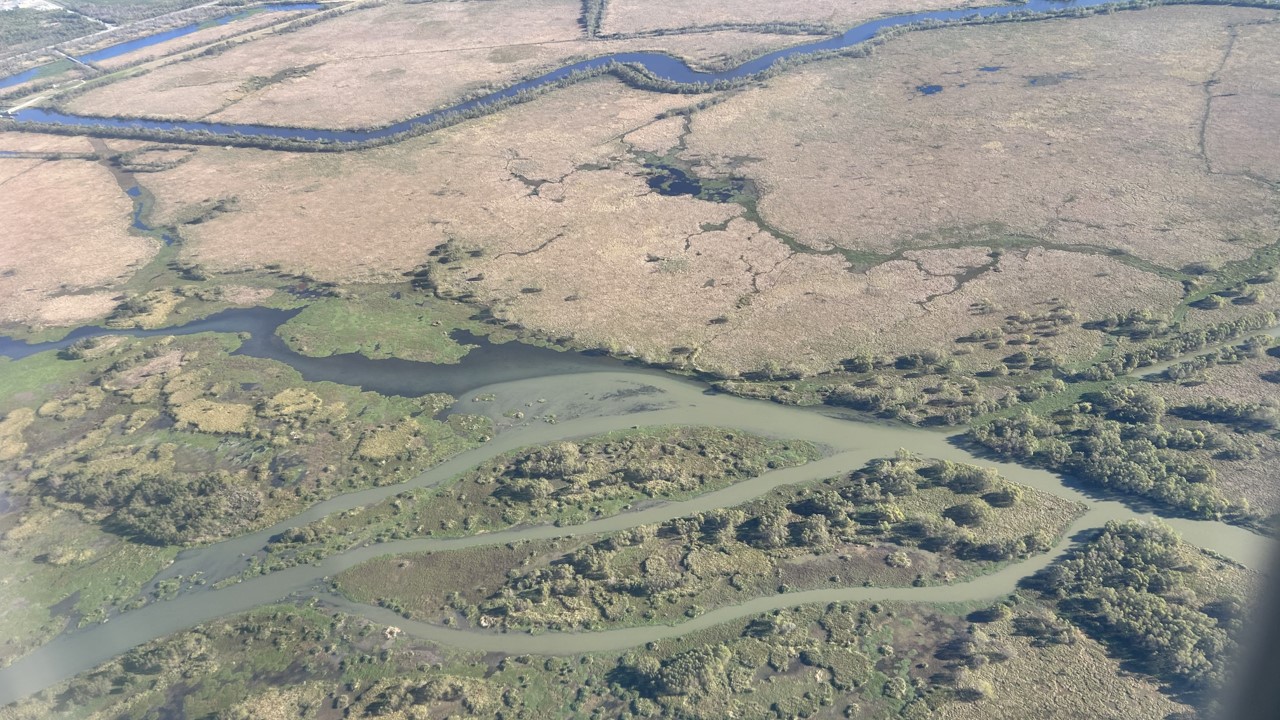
487	363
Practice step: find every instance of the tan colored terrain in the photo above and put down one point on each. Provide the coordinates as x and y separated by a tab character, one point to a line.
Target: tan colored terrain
629	16
1064	682
63	236
200	37
1089	134
374	215
379	65
1241	132
38	143
559	231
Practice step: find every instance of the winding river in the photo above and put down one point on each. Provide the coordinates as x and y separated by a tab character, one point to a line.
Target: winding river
588	395
664	67
587	402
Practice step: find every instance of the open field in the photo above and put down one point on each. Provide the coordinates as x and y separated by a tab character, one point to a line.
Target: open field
380	324
379	65
59	263
529	201
200	37
628	16
372	216
1079	132
37	143
1240	134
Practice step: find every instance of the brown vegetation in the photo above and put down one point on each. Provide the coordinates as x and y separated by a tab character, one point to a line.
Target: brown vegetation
1087	135
198	38
956	240
1244	105
63	236
627	16
388	63
36	143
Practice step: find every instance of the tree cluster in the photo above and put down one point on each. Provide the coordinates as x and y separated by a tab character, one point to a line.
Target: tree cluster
1135	587
1116	440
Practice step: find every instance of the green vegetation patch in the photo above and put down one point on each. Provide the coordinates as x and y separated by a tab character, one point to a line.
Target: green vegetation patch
56	569
897	522
23	29
1155	601
1125	439
123	11
381	324
174	441
288	661
872	660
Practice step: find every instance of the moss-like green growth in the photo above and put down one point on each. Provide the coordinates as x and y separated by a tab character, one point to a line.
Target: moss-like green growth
174	441
381	323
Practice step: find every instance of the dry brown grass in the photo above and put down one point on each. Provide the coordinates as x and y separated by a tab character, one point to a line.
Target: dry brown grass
575	250
198	38
11	168
1241	133
63	230
627	16
214	417
374	215
36	142
376	66
1103	149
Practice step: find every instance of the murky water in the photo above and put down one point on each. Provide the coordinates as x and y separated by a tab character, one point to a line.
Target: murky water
486	363
586	403
588	395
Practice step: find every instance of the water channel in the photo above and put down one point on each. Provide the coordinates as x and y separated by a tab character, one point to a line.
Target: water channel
589	394
587	401
129	46
664	67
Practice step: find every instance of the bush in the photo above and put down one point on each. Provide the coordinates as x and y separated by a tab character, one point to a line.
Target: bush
969	514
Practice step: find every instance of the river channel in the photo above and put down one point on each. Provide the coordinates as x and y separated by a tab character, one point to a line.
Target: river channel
129	46
587	394
591	400
665	68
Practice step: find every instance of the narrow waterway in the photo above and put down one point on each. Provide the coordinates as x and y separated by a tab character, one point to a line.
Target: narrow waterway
665	68
129	46
586	403
587	395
